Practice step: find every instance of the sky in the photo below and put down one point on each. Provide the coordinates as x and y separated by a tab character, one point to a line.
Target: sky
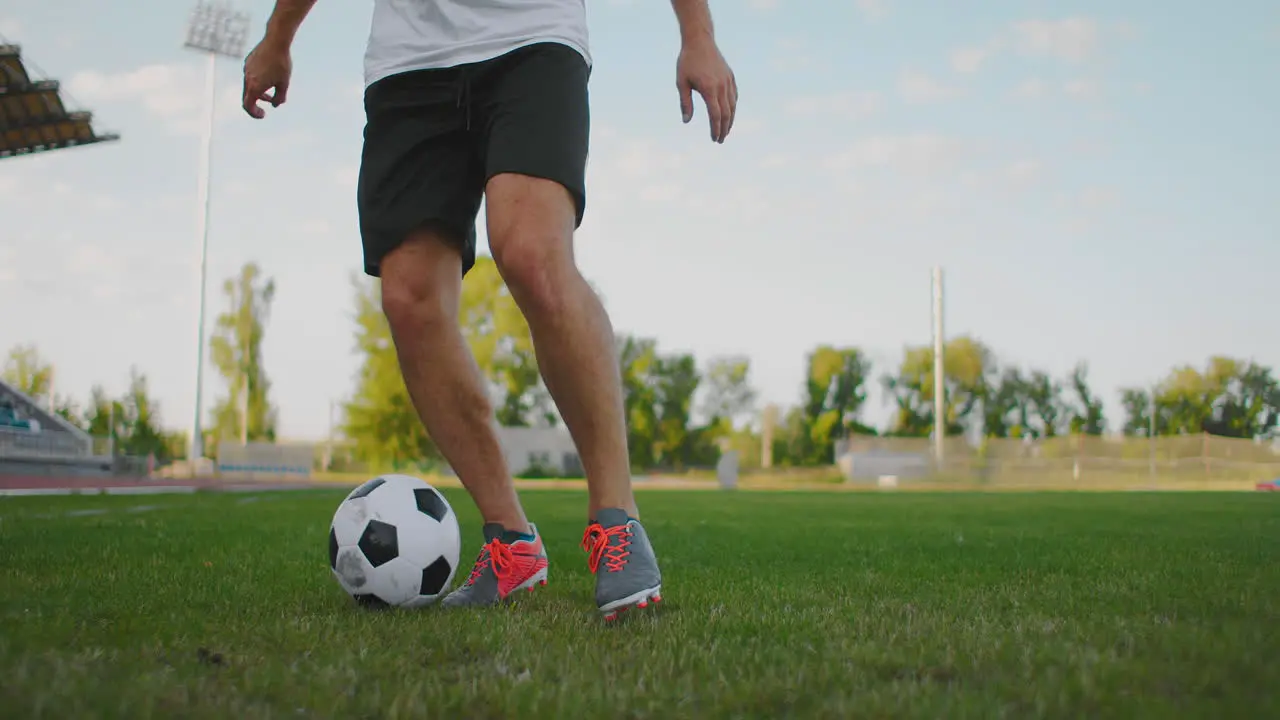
1097	179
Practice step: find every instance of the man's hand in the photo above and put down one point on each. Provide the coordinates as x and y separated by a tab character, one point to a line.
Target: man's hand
266	77
701	67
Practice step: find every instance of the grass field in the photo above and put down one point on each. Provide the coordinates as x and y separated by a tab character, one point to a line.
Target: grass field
776	605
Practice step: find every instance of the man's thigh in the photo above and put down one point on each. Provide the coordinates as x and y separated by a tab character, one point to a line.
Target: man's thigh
421	166
533	104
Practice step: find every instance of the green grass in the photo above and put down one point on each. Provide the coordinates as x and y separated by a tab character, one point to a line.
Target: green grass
777	605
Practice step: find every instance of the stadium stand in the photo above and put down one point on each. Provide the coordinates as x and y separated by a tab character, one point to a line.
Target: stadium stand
33	117
34	441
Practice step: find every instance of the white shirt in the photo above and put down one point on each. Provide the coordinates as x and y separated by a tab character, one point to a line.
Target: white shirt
410	35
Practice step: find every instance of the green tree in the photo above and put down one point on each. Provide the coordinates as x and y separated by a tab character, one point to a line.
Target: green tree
143	435
28	372
729	395
967	369
132	421
1231	397
1087	416
638	358
105	416
1137	407
236	349
834	393
1045	397
1005	408
380	419
675	380
499	337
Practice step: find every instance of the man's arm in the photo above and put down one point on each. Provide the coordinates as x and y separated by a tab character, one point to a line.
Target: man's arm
694	18
268	68
285	20
701	67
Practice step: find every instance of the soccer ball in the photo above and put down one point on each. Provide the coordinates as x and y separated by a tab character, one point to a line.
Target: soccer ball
394	542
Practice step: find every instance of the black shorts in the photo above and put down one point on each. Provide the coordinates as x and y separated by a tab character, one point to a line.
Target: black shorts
433	138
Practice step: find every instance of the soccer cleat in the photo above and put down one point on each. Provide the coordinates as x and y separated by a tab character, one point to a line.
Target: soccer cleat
508	562
620	555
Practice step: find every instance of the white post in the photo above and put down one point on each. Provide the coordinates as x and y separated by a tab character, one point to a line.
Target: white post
202	232
939	375
215	29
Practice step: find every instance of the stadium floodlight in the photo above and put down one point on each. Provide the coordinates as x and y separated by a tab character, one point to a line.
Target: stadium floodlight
218	30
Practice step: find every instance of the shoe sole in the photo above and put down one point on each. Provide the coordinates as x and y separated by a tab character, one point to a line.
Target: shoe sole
639	600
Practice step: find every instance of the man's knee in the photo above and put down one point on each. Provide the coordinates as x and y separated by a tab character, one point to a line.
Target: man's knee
531	237
420	285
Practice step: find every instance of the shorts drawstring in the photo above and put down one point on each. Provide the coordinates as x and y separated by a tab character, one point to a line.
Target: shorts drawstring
464	95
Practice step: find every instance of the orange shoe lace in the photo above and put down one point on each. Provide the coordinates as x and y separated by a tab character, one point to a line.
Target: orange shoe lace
596	542
499	557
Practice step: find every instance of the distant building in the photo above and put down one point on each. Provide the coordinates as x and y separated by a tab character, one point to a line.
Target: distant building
547	451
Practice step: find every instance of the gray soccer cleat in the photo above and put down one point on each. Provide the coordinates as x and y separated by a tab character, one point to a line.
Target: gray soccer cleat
507	563
620	555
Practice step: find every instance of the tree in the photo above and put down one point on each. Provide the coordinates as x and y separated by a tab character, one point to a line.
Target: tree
236	349
967	369
1005	409
638	357
729	395
1235	398
499	337
380	418
105	416
132	421
28	372
1044	394
675	379
1137	406
1086	414
833	395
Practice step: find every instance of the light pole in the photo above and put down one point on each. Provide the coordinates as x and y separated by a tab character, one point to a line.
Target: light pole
215	28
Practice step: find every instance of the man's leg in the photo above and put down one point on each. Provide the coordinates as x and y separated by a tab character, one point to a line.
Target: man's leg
421	291
420	186
536	113
531	223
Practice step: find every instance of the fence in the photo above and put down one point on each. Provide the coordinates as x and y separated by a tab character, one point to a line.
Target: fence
1072	460
50	444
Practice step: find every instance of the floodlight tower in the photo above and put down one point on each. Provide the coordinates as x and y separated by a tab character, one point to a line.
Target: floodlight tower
939	373
215	29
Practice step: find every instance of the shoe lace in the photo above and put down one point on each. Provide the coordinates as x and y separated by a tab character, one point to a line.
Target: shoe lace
496	555
596	541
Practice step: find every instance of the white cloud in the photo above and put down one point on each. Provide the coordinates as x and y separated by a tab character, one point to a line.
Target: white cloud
174	93
849	105
1081	89
921	152
641	160
970	59
1072	39
10	28
1031	89
1023	173
166	90
873	9
917	87
1096	198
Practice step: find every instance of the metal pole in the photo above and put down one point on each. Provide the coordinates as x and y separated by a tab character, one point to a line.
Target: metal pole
215	28
202	229
1151	433
939	374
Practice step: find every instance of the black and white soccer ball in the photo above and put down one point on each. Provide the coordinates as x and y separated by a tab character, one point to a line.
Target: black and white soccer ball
394	542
